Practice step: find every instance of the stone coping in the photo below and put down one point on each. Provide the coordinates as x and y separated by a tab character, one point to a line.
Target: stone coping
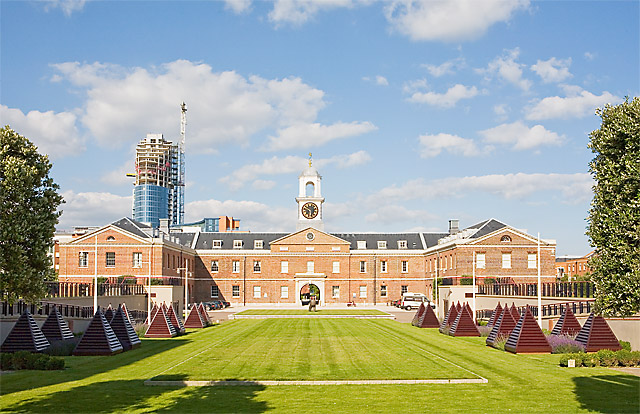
234	383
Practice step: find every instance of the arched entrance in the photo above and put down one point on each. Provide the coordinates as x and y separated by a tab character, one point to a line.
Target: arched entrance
308	290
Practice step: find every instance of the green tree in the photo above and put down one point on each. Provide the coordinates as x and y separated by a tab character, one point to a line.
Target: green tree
614	217
28	202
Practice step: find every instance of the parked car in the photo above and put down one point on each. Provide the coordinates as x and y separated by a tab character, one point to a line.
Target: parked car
413	300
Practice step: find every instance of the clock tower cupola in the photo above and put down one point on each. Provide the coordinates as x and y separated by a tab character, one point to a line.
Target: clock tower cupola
310	199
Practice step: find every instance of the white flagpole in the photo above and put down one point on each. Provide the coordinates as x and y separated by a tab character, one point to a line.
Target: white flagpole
539	286
95	279
474	287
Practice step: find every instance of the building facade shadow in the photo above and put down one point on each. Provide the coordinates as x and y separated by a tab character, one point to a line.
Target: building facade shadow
608	393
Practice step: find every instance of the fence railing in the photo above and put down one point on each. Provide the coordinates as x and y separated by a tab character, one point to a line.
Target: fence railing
75	289
550	310
549	289
67	311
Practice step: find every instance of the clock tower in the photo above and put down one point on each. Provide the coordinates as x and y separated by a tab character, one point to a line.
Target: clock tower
309	199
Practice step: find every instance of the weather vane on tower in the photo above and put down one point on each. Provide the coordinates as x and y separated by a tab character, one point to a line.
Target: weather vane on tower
309	159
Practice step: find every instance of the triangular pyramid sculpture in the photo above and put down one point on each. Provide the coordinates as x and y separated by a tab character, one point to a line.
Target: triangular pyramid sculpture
495	315
126	312
503	327
418	315
99	338
194	319
527	337
204	315
175	320
108	314
161	326
458	306
124	331
154	310
449	319
567	324
514	312
25	336
55	328
596	334
464	324
428	318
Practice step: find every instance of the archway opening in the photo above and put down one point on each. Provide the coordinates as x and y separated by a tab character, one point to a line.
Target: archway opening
307	291
310	189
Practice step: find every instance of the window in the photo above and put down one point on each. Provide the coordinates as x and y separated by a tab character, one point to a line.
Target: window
336	267
284	267
217	244
256	266
235	291
404	289
235	266
83	259
402	244
284	248
111	238
256	292
480	261
215	292
405	266
137	259
383	291
532	261
310	267
363	266
335	248
335	291
258	244
214	266
284	292
310	248
363	291
506	260
110	259
505	239
237	244
362	244
383	266
382	244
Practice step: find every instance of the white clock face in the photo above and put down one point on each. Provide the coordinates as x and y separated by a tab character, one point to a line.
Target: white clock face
309	211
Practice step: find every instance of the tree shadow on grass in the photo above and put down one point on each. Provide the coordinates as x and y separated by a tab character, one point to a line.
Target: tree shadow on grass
133	395
609	393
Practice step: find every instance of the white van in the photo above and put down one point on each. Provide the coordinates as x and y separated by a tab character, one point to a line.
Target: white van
413	301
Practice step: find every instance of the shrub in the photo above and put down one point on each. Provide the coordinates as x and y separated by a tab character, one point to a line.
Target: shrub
482	323
20	359
489	281
484	330
466	280
141	329
564	361
28	360
625	359
564	344
591	360
63	348
6	362
607	358
54	364
500	341
625	345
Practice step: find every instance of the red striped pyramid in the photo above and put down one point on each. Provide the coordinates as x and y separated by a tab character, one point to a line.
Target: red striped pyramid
464	324
25	336
99	338
161	326
204	315
527	337
495	315
567	324
449	319
428	318
108	314
503	327
596	334
418	315
175	320
514	312
55	328
194	319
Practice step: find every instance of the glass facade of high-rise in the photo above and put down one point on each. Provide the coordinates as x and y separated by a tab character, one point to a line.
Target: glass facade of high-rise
151	203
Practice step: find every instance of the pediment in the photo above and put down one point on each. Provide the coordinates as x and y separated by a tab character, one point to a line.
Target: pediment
303	237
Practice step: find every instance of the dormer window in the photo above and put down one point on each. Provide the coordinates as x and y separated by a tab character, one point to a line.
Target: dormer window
402	244
382	244
258	244
506	239
237	244
111	238
217	244
362	244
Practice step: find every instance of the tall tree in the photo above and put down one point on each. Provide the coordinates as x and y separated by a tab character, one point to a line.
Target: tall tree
614	217
28	202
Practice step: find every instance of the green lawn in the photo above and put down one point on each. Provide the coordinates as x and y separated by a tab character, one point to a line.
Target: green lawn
517	383
318	313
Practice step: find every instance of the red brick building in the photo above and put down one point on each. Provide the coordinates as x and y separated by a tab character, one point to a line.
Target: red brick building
573	267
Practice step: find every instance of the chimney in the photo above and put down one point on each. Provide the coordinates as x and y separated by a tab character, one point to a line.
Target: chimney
454	226
164	225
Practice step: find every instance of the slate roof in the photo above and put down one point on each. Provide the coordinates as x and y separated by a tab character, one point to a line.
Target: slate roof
414	242
205	240
486	227
133	226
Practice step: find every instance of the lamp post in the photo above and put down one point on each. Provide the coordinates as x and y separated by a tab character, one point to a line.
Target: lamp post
539	286
473	301
186	287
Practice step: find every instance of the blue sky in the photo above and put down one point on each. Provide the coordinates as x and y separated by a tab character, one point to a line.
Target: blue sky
415	112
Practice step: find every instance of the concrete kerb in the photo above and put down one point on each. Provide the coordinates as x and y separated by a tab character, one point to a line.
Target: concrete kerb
314	382
236	316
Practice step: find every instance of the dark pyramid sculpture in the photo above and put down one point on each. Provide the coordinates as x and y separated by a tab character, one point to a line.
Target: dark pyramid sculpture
108	314
55	328
596	334
567	324
161	326
449	319
503	327
25	336
527	337
495	315
194	319
418	315
204	315
464	324
514	312
124	331
99	338
428	318
175	320
126	312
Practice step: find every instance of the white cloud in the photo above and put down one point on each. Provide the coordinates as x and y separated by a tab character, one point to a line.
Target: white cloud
297	12
238	6
574	188
118	176
347	161
590	56
449	21
506	68
446	68
501	110
433	145
263	184
55	134
67	6
253	216
381	80
390	214
577	104
93	209
553	70
520	136
447	99
307	135
124	104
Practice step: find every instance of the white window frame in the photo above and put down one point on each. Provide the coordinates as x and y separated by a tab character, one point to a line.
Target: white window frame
215	291
235	266
383	266
363	291
532	261
506	260
257	266
404	266
383	291
363	266
83	259
136	259
217	244
402	244
284	266
237	244
362	244
382	244
481	261
257	292
106	259
311	266
284	292
335	291
336	267
284	248
217	266
235	291
258	244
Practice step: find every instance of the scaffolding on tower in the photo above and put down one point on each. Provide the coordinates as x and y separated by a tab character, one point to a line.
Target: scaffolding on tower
181	182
